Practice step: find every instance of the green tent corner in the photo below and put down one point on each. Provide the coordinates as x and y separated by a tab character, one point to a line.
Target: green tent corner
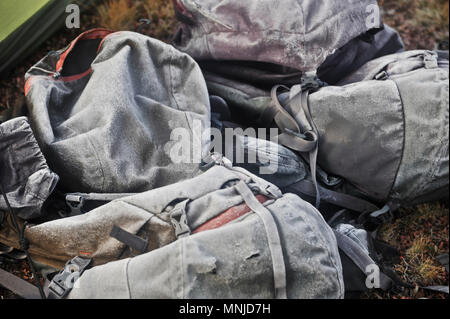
24	25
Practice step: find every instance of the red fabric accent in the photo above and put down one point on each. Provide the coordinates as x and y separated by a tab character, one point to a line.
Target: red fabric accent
90	34
229	215
27	86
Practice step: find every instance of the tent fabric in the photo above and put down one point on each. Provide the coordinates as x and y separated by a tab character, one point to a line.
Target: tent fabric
24	25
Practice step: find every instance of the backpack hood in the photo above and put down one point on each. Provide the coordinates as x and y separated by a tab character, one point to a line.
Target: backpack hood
297	34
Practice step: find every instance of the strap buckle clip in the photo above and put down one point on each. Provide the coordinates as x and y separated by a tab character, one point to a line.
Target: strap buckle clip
179	219
382	216
64	281
76	203
310	81
372	221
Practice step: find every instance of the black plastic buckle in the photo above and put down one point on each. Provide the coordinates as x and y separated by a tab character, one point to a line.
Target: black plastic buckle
76	204
372	221
64	281
309	81
383	215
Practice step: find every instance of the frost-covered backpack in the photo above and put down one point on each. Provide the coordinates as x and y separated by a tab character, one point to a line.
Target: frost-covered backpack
299	35
386	128
244	52
383	132
223	234
103	110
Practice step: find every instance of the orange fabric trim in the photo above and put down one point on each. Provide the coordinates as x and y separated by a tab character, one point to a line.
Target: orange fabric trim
90	34
76	76
229	215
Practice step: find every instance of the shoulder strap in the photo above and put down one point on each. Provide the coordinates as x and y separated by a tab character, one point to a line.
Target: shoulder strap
273	237
360	258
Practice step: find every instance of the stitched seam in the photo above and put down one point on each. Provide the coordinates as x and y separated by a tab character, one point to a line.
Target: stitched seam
127	278
98	160
172	92
182	266
403	140
146	211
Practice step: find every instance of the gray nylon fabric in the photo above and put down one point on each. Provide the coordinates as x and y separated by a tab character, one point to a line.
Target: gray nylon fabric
394	64
383	128
390	120
296	34
360	126
25	176
273	162
245	85
359	236
146	214
402	132
233	261
109	131
357	53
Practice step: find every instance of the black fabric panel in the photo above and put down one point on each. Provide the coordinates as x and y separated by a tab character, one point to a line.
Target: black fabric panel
80	57
354	278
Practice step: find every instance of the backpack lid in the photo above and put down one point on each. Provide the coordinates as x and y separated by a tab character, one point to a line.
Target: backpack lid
297	34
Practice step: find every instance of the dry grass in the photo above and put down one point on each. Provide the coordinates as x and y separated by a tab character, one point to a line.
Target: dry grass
125	15
162	16
117	15
420	234
423	24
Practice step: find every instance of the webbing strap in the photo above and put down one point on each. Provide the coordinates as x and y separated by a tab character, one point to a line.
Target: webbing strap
131	240
273	238
313	154
282	118
300	143
299	132
339	199
360	258
19	286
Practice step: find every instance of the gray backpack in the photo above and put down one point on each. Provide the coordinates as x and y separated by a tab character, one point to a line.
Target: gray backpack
383	132
108	94
223	234
237	42
237	237
24	174
392	126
